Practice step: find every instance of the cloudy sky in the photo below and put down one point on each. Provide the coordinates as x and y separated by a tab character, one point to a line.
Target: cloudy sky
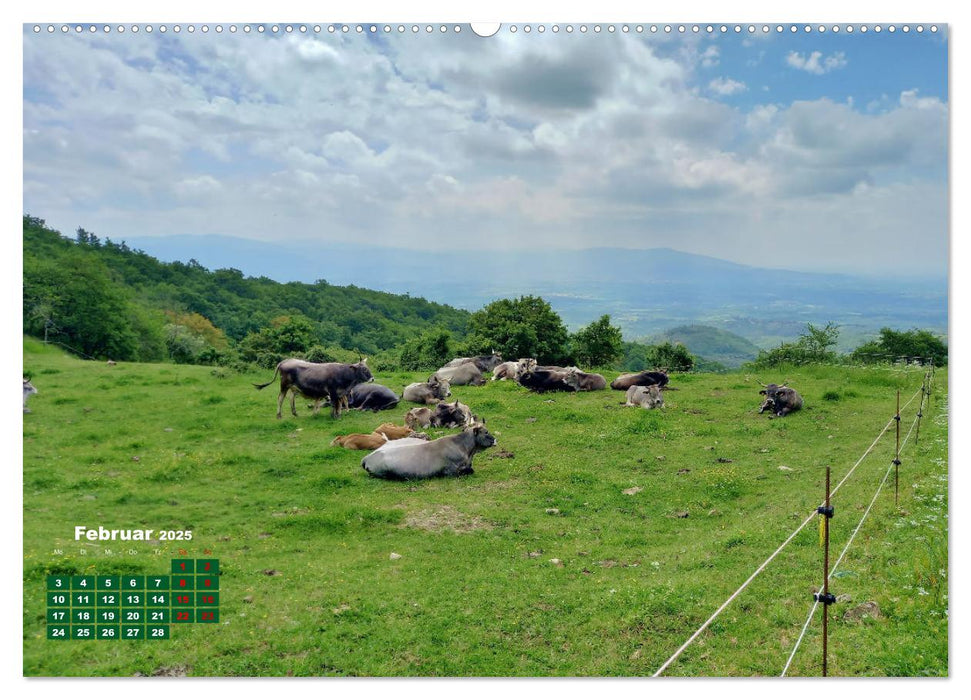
817	151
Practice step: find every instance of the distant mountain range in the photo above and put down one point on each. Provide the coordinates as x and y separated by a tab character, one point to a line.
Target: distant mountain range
644	291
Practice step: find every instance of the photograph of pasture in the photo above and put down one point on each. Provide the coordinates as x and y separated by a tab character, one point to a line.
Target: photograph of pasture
567	350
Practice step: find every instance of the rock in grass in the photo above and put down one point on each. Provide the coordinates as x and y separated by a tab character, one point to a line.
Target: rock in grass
632	490
867	609
394	556
552	511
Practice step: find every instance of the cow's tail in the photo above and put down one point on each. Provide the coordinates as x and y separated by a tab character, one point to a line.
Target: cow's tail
263	386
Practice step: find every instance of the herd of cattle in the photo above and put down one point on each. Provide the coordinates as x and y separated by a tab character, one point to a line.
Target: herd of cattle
400	452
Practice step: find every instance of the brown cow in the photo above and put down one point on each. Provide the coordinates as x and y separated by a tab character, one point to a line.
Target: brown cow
360	441
444	415
645	378
395	432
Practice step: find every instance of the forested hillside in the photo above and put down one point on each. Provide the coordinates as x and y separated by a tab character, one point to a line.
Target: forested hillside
104	299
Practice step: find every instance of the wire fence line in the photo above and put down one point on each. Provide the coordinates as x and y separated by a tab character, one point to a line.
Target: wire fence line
771	557
815	604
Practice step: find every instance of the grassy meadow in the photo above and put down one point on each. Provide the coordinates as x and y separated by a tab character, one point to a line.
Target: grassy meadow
593	540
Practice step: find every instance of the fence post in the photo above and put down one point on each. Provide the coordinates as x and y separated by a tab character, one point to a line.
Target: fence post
920	410
896	455
826	598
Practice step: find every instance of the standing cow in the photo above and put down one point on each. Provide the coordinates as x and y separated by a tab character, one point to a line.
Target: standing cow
332	380
447	456
780	399
28	391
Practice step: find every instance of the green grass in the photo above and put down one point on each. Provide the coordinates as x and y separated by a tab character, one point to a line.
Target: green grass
475	591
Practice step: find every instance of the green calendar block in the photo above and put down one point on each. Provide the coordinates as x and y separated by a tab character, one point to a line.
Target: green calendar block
108	600
108	583
207	599
207	583
58	616
109	633
132	583
133	617
183	566
58	583
157	600
207	566
183	583
153	632
181	600
207	615
157	583
56	599
183	615
83	583
58	631
82	616
133	599
160	616
108	616
82	599
82	632
132	632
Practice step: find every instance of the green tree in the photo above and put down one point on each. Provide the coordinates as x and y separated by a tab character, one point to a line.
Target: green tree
812	347
286	336
523	327
672	356
893	345
74	301
598	344
428	351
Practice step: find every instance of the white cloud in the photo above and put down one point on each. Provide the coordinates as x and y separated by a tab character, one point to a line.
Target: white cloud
815	63
726	86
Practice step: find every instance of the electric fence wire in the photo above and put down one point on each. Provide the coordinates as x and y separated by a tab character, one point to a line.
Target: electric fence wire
764	564
815	604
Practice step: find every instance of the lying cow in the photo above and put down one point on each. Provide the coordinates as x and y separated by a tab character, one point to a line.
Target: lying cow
444	415
395	432
645	378
589	381
372	397
463	375
28	391
485	363
360	441
317	381
780	399
432	391
507	370
645	397
447	456
542	379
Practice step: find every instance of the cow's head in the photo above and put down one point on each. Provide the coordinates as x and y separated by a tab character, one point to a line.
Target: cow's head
362	371
483	438
28	387
440	386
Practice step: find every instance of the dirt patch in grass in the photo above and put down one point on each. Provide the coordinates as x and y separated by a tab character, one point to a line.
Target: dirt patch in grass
446	518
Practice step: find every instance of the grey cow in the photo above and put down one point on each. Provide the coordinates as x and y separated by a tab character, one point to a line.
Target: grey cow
645	397
447	456
462	375
332	380
28	390
780	400
432	391
483	362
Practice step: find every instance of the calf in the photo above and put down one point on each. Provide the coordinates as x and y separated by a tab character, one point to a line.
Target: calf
780	400
645	397
507	370
28	391
360	441
395	432
432	391
447	456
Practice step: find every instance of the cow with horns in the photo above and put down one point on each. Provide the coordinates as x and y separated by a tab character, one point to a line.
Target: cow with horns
780	399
